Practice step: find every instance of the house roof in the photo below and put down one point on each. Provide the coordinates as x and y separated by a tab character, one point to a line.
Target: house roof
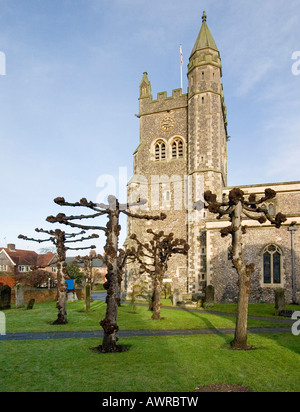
28	257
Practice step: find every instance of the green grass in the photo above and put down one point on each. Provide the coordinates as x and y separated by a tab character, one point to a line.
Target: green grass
43	314
156	364
263	310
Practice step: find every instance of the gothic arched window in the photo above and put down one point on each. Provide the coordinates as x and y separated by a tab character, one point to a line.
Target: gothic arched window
177	149
272	265
160	151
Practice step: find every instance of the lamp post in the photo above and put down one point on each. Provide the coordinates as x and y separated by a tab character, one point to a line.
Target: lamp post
293	228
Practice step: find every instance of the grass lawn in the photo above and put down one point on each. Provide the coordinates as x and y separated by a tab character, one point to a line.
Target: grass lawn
263	310
154	364
43	314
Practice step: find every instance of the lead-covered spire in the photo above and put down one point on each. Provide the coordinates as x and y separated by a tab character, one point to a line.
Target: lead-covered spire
205	39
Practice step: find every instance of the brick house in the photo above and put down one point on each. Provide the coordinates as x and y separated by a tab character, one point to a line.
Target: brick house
99	270
15	262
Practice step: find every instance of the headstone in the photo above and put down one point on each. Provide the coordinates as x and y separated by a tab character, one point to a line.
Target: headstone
5	297
70	296
209	294
30	304
2	323
167	290
135	291
177	297
279	301
87	293
20	299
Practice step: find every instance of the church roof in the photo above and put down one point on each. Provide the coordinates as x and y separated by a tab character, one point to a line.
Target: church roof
205	39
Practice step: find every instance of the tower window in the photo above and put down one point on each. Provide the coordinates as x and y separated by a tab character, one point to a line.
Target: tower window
202	100
160	151
203	76
272	265
177	149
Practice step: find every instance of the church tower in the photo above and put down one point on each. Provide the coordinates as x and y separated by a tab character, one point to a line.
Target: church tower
181	153
207	122
207	145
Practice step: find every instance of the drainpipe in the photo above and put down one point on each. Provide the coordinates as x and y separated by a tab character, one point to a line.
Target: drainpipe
293	228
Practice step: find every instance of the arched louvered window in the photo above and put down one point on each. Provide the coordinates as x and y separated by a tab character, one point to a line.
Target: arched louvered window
177	149
160	151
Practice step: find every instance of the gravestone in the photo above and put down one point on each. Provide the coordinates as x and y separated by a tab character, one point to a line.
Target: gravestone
135	291
2	324
30	304
5	297
177	297
167	290
72	296
209	294
87	293
20	299
279	301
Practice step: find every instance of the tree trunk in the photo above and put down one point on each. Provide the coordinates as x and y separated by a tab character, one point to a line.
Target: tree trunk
244	272
109	324
156	305
61	295
240	338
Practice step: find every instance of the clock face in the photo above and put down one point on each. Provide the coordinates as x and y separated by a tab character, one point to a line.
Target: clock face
167	124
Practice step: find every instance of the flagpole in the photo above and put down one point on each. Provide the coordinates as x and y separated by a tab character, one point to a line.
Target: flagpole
181	64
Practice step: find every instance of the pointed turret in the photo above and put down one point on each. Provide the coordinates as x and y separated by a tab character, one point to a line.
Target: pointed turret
205	40
205	50
145	87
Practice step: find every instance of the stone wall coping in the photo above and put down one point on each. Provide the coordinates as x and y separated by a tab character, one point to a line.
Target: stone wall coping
259	188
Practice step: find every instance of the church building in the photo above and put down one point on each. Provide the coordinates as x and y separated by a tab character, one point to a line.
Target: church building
181	154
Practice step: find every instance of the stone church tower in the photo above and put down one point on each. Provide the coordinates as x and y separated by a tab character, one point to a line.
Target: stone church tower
207	145
182	153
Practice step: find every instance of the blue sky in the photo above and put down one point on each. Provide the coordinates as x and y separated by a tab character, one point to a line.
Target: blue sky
70	94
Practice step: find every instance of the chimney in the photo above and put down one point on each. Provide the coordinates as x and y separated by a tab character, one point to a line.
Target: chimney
11	247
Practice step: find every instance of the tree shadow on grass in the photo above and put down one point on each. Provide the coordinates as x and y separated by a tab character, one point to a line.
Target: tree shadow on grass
210	325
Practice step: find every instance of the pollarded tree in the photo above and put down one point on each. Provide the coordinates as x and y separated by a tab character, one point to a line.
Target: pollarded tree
114	257
59	238
153	258
239	208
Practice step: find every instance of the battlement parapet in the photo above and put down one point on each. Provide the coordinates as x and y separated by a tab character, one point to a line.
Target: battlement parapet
163	103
